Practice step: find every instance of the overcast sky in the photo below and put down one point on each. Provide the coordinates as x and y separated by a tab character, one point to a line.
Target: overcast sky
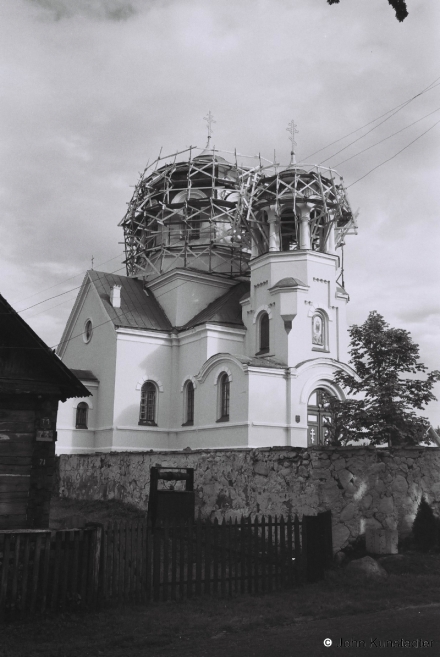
91	89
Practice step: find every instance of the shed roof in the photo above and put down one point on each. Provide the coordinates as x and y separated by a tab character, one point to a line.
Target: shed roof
28	365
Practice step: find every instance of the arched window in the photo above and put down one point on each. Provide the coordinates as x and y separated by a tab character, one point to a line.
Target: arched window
147	414
224	396
264	334
289	230
319	331
82	411
189	403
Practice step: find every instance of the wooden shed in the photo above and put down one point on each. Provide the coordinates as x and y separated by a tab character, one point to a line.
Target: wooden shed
32	382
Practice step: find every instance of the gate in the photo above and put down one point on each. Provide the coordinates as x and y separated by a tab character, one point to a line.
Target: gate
169	503
317	545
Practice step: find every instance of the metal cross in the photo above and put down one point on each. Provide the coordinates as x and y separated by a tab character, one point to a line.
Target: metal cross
93	260
209	121
291	129
312	435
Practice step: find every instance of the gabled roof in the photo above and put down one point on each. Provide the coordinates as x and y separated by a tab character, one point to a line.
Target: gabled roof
139	309
28	365
225	310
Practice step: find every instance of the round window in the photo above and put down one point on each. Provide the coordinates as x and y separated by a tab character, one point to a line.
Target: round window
88	330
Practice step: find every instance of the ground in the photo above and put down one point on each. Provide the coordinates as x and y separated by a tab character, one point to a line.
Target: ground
295	622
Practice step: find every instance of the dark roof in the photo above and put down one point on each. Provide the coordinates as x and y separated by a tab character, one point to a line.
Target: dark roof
139	309
289	282
224	310
28	365
84	375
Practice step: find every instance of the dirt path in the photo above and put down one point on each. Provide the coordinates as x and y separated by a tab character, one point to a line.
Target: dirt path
307	638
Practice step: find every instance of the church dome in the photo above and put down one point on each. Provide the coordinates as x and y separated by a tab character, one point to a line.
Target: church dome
186	214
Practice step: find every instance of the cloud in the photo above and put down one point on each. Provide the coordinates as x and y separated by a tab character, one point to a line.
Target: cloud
114	10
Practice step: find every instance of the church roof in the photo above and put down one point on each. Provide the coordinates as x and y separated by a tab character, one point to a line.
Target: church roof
224	310
84	375
138	309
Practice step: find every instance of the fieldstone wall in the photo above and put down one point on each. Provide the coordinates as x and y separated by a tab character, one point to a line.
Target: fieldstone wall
363	486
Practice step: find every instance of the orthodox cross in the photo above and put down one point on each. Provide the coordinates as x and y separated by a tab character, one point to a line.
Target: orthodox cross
209	121
312	435
292	130
93	260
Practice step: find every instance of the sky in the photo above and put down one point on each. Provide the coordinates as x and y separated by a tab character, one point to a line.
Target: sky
92	89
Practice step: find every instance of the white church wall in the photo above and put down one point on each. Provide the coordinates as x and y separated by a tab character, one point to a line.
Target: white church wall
99	356
141	357
268	412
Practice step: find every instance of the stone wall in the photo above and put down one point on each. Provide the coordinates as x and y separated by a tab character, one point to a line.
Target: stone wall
363	486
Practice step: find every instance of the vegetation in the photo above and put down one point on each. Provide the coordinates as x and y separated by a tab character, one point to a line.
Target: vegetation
399	7
425	529
385	414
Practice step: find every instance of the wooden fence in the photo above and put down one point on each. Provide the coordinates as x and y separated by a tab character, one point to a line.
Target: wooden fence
131	562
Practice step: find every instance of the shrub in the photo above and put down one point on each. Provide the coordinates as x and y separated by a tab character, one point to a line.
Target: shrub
425	528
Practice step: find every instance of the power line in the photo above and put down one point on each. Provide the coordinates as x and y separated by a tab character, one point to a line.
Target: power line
393	156
428	88
65	280
385	139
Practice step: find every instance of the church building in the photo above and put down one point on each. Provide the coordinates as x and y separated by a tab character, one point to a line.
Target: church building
230	323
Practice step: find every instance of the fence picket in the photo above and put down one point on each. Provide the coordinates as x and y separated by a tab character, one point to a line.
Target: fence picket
189	569
198	558
46	566
5	571
208	553
134	562
35	572
15	573
269	554
25	574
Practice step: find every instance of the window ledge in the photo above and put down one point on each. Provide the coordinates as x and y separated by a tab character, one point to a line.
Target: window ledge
263	352
188	424
321	349
225	418
147	423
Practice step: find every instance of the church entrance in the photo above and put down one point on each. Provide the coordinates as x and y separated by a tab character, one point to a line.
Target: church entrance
319	418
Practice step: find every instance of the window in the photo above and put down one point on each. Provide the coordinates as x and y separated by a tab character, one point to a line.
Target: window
88	331
82	411
147	413
264	334
189	403
319	331
224	395
289	232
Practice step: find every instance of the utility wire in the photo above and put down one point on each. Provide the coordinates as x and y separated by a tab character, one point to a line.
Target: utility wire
431	86
65	280
385	139
393	156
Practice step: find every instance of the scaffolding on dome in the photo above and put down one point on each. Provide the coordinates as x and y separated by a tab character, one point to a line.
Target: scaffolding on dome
206	213
187	214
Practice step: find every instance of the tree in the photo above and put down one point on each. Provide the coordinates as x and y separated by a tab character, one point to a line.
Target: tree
425	527
380	356
399	7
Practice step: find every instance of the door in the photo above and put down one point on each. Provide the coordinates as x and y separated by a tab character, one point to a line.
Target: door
319	418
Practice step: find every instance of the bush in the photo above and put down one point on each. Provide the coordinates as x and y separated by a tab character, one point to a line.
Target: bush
425	530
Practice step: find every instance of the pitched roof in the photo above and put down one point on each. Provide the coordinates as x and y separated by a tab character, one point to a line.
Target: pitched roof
139	309
224	310
28	365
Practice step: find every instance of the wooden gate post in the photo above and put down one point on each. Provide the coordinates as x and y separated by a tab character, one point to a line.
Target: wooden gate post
95	561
